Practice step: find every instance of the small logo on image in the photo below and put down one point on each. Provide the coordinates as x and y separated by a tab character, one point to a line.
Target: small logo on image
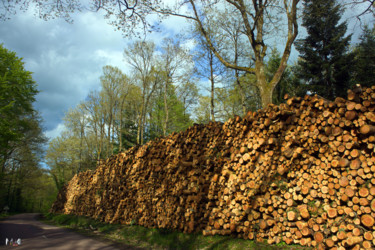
12	242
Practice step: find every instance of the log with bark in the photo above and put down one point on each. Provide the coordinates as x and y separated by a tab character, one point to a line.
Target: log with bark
302	172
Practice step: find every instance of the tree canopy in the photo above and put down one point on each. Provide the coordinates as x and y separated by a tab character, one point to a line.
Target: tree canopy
17	94
324	61
364	59
21	138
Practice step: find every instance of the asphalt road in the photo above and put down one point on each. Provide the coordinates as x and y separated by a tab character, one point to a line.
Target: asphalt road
37	235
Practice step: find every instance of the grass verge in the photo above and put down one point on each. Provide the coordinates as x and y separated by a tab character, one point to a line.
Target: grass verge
3	216
153	238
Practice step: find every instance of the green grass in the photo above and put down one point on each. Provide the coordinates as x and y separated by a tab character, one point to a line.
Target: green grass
152	238
3	216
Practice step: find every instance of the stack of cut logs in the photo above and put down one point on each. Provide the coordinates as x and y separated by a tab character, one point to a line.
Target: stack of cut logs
302	173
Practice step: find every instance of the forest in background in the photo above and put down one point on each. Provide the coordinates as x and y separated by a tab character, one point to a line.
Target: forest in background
169	88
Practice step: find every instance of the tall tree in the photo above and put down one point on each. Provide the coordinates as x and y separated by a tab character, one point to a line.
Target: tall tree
174	63
178	120
94	106
364	58
202	111
63	158
208	67
257	16
324	61
114	91
188	94
257	22
141	56
21	136
235	48
17	94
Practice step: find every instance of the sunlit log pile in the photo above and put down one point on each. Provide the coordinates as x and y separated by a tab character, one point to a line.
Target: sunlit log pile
302	172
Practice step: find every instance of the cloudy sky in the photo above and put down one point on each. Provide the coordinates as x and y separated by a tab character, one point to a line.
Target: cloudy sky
67	59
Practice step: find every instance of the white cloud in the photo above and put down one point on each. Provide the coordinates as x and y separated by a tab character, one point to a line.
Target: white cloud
66	59
51	134
189	44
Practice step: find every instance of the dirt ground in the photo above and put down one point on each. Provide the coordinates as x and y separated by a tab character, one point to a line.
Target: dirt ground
37	235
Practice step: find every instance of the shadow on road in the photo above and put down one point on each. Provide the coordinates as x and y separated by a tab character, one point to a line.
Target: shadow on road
37	235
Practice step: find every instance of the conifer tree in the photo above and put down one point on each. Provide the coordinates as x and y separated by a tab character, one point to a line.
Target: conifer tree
324	62
364	59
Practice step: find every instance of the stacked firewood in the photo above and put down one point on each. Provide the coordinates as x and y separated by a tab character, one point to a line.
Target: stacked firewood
302	172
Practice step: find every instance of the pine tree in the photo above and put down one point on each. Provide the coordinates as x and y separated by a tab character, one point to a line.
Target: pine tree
364	59
324	61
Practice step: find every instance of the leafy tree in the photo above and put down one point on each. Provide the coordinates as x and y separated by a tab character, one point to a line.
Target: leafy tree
115	88
77	126
21	136
228	103
94	108
230	100
256	21
17	93
233	44
188	94
179	119
364	59
63	158
324	62
254	15
130	114
141	56
202	111
208	67
174	63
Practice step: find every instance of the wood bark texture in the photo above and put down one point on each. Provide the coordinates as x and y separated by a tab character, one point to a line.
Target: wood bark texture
302	172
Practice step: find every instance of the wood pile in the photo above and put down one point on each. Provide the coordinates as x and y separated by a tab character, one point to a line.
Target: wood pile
302	173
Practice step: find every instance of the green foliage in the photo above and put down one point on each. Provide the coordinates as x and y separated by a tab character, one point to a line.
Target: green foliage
17	93
128	110
63	159
324	63
228	100
286	85
364	59
179	119
202	111
24	185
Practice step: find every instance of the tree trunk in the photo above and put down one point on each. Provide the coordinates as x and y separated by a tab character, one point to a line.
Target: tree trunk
113	132
101	143
265	88
109	136
143	128
165	125
139	129
212	87
120	129
242	93
80	149
266	92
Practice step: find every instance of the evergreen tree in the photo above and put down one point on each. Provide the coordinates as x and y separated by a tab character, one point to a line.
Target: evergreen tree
324	63
364	59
